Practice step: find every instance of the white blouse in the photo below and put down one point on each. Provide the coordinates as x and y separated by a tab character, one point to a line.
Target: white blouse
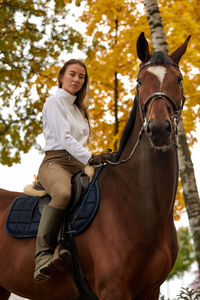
64	126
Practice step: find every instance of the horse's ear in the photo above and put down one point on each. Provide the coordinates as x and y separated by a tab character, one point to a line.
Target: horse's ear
178	53
143	48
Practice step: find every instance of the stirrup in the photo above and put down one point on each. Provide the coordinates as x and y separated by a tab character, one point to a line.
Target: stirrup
62	253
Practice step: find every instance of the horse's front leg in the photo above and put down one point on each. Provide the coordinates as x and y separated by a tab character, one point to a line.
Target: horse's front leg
154	295
114	288
147	295
118	294
115	293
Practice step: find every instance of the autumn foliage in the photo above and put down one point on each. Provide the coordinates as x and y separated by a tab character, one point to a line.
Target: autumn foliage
33	34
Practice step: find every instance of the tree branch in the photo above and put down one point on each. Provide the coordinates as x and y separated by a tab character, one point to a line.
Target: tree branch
9	63
7	125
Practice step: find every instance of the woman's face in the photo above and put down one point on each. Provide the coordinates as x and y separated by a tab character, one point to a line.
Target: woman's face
73	79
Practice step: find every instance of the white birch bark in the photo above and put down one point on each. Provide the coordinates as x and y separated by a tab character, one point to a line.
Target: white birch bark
190	191
186	169
156	26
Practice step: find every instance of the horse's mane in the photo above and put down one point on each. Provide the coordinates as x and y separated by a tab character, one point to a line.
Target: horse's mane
157	58
128	128
160	58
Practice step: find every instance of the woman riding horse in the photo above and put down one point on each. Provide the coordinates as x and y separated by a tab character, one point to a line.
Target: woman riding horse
66	131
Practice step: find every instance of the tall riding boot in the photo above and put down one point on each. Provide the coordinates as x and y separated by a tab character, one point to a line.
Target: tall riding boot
45	258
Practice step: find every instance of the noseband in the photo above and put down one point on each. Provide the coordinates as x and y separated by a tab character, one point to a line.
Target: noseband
176	108
174	115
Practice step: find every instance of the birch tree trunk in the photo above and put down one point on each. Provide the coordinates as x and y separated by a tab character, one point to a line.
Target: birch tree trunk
156	26
116	92
188	181
190	191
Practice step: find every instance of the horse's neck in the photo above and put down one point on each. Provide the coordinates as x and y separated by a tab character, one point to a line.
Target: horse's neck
153	172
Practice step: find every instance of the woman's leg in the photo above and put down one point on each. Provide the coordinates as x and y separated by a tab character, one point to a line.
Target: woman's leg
57	182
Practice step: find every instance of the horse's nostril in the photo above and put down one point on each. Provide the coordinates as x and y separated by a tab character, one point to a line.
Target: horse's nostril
168	127
150	128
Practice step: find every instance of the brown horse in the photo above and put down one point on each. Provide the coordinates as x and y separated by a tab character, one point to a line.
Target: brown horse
131	246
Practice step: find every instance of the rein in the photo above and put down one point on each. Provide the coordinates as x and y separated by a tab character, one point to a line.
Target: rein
174	116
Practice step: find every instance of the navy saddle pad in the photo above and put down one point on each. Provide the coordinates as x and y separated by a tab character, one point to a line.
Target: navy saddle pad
24	215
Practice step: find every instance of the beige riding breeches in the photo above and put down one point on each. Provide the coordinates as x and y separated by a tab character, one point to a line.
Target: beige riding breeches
55	174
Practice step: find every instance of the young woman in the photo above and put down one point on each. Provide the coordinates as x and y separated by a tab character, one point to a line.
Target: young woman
66	131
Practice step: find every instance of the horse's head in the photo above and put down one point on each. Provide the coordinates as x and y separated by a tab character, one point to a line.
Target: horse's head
160	92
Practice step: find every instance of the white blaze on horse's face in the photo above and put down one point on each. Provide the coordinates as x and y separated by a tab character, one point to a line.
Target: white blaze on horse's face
159	72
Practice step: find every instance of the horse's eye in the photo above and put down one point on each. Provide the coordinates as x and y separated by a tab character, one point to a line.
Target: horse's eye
179	80
139	82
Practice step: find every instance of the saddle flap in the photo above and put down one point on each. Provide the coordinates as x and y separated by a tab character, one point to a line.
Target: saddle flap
80	183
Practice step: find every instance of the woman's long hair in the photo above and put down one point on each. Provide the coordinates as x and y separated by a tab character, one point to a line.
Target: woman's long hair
82	92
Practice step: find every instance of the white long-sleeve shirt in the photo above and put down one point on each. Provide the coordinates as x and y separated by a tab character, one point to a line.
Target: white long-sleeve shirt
64	126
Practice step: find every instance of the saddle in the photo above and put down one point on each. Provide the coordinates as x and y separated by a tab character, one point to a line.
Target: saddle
80	182
24	215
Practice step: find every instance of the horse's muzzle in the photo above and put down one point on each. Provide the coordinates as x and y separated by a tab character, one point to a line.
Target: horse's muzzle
159	134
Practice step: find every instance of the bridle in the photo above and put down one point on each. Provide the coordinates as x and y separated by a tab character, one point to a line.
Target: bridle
177	109
174	115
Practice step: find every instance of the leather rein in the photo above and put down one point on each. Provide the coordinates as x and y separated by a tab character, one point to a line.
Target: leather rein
174	115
